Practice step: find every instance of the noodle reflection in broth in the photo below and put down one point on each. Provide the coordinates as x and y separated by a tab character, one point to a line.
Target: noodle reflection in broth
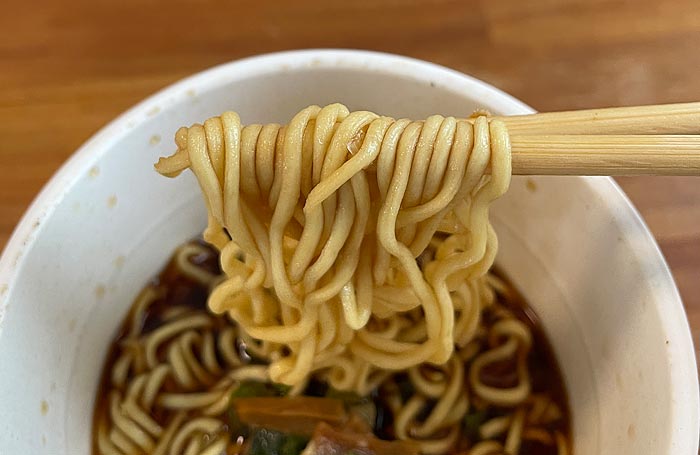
355	252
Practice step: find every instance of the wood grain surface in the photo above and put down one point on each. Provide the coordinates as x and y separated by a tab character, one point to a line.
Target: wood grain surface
68	67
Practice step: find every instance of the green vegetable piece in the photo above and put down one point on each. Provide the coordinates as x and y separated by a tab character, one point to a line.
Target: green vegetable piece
271	442
281	389
235	426
248	389
362	406
472	422
266	442
293	445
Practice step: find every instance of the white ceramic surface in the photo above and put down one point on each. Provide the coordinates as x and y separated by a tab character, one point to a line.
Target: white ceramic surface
106	223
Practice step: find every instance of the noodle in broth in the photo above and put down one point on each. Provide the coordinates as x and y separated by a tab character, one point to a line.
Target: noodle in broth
181	403
355	252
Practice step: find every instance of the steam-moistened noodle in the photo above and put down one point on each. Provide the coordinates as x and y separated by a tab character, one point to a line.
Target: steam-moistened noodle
355	252
331	212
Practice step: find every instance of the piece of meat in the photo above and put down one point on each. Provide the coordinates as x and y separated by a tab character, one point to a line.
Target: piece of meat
328	440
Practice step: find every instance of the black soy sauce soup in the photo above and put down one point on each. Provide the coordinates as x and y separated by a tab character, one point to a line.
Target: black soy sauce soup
544	370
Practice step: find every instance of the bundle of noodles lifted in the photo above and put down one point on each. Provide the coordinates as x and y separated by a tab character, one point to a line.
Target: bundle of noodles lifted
352	311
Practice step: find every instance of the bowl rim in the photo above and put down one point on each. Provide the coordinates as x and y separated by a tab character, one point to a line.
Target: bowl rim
683	372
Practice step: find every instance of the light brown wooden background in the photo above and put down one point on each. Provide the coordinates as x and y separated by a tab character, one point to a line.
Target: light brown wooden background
68	67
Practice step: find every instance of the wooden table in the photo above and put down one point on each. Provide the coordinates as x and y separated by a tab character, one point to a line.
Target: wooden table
68	67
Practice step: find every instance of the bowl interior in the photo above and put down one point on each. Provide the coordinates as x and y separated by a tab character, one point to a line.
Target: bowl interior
108	222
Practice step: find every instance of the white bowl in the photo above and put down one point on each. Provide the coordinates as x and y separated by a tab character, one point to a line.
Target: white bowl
106	223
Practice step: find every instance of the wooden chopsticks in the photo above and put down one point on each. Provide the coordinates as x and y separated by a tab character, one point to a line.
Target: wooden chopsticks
683	118
641	140
606	154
